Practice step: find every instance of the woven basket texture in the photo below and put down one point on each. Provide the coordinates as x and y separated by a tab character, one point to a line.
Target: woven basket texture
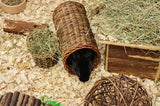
117	91
45	60
19	99
74	30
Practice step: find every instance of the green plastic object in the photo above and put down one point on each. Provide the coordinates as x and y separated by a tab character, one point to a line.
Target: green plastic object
52	103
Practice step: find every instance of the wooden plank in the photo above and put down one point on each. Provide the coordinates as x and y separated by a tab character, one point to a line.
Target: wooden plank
8	100
25	101
20	99
148	47
133	61
144	58
14	98
31	101
123	52
107	54
37	102
131	67
14	26
158	74
3	100
1	96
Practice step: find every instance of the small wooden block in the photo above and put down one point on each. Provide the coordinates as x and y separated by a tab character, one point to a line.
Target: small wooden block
20	27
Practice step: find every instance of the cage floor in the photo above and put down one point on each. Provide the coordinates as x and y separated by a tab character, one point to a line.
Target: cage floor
19	73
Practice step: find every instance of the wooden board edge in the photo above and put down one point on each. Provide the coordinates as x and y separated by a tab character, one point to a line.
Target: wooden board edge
148	47
157	78
107	57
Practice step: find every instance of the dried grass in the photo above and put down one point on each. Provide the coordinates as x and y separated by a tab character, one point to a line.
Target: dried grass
12	2
130	21
43	41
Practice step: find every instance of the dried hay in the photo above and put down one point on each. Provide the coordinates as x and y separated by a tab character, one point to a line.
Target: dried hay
12	2
44	47
43	41
129	21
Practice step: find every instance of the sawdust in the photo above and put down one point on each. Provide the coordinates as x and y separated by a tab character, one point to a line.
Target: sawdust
19	73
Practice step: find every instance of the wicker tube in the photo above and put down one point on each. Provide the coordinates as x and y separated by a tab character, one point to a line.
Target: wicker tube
74	31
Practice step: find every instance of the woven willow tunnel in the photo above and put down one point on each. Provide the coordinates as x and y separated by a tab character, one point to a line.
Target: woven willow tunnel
19	99
74	31
117	91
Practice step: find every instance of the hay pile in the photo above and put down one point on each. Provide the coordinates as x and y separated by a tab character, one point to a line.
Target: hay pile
129	21
43	41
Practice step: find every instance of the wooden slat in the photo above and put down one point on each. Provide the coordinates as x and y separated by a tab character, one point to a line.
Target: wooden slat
8	100
25	101
158	74
148	47
14	26
131	67
3	100
14	99
20	99
37	102
123	52
31	101
1	96
133	61
107	54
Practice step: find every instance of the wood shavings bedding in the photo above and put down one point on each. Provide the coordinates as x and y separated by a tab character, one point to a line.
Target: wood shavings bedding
19	73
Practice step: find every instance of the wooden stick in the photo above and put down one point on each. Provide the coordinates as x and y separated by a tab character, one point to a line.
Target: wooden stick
14	26
20	99
144	58
107	56
3	100
158	73
1	96
149	47
25	100
31	101
14	99
8	100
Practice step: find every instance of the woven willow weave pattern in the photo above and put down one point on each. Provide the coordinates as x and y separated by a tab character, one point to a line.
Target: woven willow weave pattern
74	30
117	91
